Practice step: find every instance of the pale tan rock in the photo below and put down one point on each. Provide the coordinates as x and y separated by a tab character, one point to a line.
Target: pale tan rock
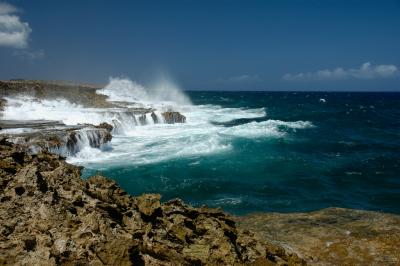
147	204
333	236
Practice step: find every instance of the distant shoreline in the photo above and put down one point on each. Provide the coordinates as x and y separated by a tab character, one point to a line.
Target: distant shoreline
102	85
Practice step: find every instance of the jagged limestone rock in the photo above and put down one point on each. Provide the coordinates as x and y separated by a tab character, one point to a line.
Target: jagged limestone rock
50	216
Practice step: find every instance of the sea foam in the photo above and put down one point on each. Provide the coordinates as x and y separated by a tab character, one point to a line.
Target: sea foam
136	144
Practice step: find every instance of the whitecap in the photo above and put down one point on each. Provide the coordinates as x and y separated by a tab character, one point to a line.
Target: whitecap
269	128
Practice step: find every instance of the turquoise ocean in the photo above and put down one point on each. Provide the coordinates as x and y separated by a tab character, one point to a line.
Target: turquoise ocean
266	151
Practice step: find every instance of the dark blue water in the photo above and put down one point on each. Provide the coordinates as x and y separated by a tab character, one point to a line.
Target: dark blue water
350	158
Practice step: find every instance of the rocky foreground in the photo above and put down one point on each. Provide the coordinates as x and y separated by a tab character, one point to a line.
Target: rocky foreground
50	216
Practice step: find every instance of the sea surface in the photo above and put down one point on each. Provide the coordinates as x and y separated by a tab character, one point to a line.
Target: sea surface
265	151
242	151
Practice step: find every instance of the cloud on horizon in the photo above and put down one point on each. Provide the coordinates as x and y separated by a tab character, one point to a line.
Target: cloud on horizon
366	71
241	79
13	32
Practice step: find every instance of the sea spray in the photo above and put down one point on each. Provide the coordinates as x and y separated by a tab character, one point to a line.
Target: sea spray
140	133
164	91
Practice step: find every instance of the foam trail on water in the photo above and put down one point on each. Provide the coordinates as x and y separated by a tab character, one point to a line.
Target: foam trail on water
269	128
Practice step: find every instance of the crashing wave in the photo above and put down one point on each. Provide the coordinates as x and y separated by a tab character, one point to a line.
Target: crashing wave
144	123
268	128
126	90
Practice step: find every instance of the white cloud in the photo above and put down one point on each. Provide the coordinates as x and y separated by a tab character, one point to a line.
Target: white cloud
13	32
366	71
6	8
241	79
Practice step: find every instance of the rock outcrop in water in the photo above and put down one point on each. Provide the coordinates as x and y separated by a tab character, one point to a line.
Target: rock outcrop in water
173	117
56	137
50	216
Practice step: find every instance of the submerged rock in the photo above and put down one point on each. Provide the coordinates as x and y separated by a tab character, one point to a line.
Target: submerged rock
50	216
173	117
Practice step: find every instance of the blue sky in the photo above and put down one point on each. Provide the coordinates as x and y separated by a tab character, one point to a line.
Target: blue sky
235	45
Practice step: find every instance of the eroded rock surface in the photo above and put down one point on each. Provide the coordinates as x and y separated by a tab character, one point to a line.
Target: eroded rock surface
173	117
50	216
54	136
332	236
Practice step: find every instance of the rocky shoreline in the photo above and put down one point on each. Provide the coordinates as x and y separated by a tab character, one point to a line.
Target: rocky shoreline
50	216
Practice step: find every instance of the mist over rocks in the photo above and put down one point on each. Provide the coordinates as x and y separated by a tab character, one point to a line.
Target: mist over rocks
61	117
126	90
49	215
104	105
140	117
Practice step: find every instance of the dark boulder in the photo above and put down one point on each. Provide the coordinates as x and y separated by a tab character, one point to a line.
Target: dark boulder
106	126
154	117
171	117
